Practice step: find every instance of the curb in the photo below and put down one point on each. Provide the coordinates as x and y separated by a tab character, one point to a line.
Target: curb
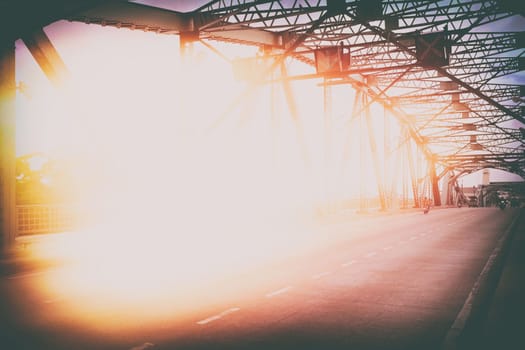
461	333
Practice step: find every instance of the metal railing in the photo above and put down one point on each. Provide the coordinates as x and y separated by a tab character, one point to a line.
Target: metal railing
44	218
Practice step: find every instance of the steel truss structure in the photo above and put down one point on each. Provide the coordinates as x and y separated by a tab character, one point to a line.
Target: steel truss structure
457	109
460	111
433	64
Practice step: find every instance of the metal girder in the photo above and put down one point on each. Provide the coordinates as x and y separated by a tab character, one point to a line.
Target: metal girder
46	56
443	72
245	36
123	14
21	18
383	48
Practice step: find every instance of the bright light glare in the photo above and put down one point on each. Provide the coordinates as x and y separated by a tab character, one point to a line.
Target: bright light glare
170	206
173	207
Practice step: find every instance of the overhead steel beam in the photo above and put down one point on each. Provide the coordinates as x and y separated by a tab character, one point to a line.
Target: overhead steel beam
18	18
130	15
250	36
395	40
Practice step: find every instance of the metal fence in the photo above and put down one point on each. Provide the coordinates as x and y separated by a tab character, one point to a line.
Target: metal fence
44	218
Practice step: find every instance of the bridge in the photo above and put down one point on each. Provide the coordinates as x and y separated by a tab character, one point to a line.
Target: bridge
433	69
410	97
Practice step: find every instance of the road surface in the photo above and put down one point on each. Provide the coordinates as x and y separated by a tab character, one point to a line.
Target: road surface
383	282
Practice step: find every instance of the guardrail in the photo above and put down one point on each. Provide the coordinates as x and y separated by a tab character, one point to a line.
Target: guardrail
44	218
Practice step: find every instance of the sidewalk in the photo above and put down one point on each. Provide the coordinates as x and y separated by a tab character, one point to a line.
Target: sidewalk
504	327
497	316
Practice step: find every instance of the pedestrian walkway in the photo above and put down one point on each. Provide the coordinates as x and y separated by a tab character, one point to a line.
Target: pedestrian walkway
504	327
496	316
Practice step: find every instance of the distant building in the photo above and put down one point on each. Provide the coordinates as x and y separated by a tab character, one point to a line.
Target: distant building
485	179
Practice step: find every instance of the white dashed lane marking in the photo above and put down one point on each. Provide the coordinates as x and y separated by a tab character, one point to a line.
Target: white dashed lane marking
371	254
348	263
319	275
387	248
413	238
279	291
218	316
143	346
209	319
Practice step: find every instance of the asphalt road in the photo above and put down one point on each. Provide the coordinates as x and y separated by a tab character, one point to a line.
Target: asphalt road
382	282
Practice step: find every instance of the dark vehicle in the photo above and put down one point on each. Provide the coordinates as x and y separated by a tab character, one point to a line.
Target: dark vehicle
472	202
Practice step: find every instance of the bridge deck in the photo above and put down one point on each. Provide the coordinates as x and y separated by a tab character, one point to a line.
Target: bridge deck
398	281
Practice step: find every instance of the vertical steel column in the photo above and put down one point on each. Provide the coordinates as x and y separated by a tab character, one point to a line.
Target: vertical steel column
386	150
449	194
404	200
292	107
327	111
404	169
274	121
434	183
186	98
362	177
375	157
7	146
395	176
186	40
413	179
418	175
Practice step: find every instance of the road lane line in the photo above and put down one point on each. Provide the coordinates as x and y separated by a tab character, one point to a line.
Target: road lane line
278	291
348	263
209	319
371	254
143	346
218	316
387	248
319	275
229	311
413	238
